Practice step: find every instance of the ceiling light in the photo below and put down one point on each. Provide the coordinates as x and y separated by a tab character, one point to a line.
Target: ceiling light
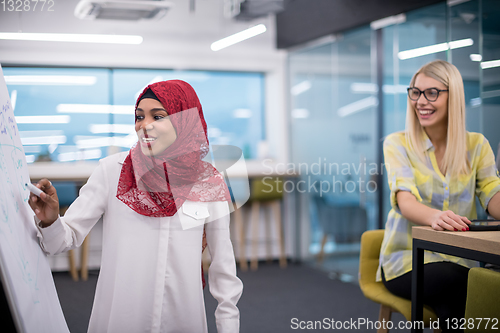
50	80
75	38
357	106
364	88
300	88
394	89
86	142
32	149
112	128
95	108
388	21
43	119
475	57
28	134
79	155
421	51
238	37
372	88
44	140
242	113
490	64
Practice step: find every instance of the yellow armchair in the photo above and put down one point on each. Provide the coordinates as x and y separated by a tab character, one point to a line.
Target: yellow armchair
371	242
483	295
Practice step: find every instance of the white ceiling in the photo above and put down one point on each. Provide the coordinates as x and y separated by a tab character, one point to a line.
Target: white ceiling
180	40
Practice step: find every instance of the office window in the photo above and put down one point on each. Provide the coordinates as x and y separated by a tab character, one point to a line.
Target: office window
71	114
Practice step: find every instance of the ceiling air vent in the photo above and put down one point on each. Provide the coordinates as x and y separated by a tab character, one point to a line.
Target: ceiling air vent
122	9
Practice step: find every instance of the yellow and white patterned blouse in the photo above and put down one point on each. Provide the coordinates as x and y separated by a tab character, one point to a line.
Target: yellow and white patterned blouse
406	172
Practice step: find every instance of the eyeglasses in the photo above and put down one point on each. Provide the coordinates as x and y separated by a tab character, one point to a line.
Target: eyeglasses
430	94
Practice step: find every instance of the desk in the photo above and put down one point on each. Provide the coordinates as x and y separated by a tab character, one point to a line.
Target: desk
480	246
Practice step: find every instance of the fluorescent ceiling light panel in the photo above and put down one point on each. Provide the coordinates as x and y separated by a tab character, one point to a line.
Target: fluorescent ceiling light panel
391	89
238	37
364	88
242	113
490	64
32	149
421	51
357	106
86	142
43	119
79	155
300	88
456	2
28	134
112	128
95	108
50	80
372	88
75	38
44	140
476	57
388	21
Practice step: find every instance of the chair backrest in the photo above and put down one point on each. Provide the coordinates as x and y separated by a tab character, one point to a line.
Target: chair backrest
67	192
371	241
265	189
483	293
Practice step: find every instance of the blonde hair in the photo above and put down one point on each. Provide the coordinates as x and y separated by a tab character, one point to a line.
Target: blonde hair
455	158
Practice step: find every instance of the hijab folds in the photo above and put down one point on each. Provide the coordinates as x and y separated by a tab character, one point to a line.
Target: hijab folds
158	185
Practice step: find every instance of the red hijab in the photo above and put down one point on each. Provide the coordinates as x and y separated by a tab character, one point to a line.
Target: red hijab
158	185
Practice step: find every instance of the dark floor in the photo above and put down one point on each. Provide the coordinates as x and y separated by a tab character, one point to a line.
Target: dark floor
271	298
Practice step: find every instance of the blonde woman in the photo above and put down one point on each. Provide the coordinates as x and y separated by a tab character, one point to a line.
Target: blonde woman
435	170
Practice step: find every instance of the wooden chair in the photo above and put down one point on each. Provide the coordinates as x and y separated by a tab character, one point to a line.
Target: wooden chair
371	242
265	193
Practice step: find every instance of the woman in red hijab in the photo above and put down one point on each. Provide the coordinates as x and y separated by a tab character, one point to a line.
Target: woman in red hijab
160	203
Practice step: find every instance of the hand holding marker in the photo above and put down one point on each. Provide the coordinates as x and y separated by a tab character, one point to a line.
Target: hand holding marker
44	203
33	189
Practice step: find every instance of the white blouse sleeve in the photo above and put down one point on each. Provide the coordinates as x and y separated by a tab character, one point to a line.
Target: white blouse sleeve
224	285
69	231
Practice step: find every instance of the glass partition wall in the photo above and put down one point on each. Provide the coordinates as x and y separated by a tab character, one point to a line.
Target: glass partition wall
335	113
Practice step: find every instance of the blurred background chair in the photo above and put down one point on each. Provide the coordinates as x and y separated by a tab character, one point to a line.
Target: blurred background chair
340	217
483	295
371	242
266	193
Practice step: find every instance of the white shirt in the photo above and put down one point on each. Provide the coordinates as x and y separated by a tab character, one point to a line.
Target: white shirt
150	277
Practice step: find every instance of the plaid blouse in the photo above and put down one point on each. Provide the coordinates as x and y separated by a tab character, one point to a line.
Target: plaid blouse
406	172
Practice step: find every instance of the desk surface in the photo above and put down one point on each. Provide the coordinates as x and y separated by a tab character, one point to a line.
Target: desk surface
81	171
483	241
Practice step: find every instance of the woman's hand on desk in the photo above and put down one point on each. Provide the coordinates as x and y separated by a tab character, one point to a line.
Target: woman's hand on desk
448	220
46	207
421	214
